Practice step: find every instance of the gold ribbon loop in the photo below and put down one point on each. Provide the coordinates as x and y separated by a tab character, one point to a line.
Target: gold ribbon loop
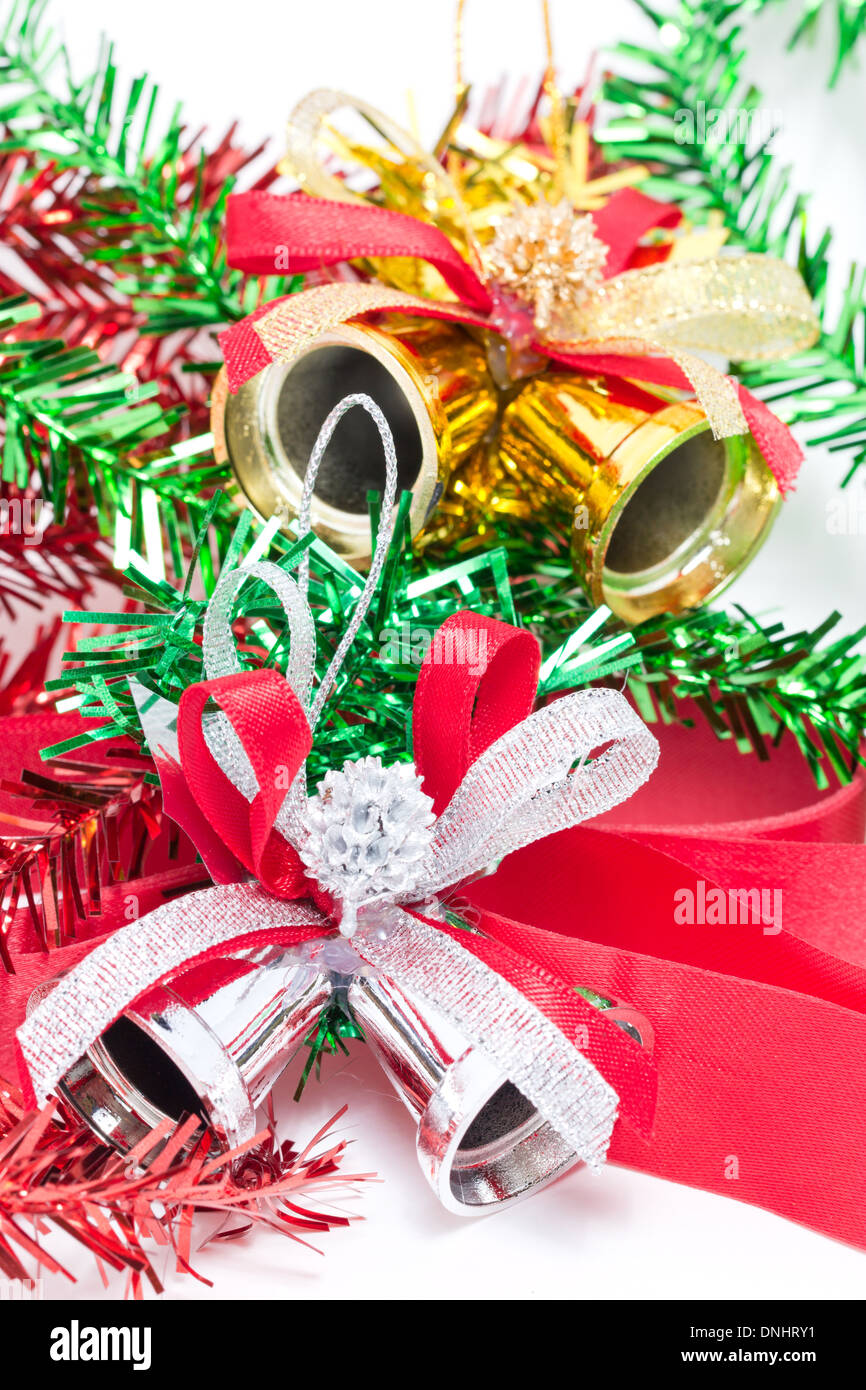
716	393
298	321
744	307
434	195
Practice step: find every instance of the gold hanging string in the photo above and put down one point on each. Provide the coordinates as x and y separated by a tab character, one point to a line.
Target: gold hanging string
459	83
557	117
558	134
311	123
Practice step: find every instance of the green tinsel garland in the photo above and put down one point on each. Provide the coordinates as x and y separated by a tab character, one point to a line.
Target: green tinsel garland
697	65
751	681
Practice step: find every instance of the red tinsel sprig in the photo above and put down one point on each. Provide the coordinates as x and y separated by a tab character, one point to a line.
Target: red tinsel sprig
55	1176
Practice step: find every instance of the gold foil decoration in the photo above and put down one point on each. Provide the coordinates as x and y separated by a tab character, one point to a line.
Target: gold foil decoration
549	259
482	181
555	444
431	381
422	187
566	157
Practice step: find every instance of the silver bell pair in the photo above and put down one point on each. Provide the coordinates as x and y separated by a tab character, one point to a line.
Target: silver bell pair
215	1040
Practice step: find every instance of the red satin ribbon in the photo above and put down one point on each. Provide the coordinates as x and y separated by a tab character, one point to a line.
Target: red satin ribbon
267	717
760	1035
318	232
257	224
458	713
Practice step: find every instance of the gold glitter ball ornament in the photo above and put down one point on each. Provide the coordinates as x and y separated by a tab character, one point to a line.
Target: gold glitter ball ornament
549	258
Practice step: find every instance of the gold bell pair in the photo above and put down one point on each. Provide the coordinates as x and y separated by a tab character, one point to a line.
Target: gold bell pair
662	515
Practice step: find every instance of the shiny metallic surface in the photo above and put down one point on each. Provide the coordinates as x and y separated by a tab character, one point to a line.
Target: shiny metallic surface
414	1049
430	379
212	1043
663	516
480	1143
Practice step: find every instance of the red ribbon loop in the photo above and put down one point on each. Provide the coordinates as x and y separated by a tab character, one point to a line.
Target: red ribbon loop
272	727
626	217
312	233
478	679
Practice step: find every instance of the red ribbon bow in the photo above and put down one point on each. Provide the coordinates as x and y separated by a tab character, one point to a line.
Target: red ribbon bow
760	1036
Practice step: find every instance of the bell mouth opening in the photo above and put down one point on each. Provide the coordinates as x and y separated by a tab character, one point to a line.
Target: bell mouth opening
149	1072
126	1085
686	526
669	506
506	1151
162	1064
354	462
506	1114
269	427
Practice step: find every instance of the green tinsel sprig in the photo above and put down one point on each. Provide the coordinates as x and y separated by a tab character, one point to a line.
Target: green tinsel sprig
849	20
753	682
697	66
75	427
69	419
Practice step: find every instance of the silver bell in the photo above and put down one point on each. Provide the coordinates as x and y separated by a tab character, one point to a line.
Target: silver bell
481	1144
212	1043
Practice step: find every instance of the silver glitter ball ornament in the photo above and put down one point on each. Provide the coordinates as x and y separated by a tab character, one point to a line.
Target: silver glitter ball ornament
368	829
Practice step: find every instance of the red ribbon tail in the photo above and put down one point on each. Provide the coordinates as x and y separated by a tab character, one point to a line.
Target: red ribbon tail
180	804
267	233
775	441
626	217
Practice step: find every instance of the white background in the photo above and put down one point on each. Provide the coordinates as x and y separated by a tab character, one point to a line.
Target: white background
621	1235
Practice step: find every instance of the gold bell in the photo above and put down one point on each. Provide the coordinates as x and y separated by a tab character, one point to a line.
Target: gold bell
429	378
663	516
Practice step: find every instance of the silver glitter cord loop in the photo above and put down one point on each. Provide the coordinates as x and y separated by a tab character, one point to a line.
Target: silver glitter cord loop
220	658
219	653
87	1000
218	648
383	535
536	1056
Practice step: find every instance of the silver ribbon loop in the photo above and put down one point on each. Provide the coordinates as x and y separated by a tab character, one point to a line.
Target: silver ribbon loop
221	659
522	787
383	534
88	1000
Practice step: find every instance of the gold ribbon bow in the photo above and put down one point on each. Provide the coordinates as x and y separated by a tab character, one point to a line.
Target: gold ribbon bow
739	306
